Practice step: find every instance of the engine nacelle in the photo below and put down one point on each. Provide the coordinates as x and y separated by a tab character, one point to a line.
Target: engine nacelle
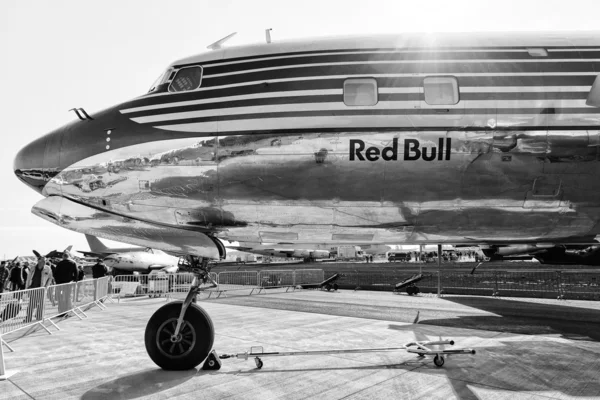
314	254
317	254
301	253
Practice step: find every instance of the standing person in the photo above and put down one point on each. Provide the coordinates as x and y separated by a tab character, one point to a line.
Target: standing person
3	275
99	270
16	277
26	272
40	277
50	290
66	272
80	273
80	277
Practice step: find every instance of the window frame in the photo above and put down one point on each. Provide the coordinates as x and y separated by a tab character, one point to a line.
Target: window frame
455	79
361	79
161	80
177	71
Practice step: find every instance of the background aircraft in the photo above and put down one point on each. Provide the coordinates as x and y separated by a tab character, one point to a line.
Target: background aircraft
283	250
131	259
546	253
99	249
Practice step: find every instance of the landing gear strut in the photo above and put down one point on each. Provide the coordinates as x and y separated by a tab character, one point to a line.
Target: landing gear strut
180	335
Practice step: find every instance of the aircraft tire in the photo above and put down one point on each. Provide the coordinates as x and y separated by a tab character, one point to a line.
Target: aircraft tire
335	286
416	290
195	342
438	361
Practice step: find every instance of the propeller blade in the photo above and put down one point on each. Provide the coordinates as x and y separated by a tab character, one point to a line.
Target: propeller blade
38	255
416	321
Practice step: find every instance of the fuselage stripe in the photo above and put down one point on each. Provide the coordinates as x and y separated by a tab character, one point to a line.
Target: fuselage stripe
408	106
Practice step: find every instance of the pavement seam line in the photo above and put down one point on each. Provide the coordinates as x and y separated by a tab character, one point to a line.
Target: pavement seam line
21	389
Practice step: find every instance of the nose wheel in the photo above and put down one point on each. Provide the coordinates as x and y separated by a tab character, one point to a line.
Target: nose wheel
180	335
183	350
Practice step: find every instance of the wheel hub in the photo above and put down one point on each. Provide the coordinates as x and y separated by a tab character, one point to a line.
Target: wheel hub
175	346
176	338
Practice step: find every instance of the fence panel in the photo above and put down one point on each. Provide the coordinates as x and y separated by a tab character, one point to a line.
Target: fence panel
274	279
579	285
101	288
85	292
308	276
21	309
59	299
130	285
181	283
237	280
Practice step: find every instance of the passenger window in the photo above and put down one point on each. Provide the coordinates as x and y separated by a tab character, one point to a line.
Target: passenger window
360	92
186	79
441	90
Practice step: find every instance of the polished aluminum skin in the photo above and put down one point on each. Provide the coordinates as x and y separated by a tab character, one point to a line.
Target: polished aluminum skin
305	188
485	177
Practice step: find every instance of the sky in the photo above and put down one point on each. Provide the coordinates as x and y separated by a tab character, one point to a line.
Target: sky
63	54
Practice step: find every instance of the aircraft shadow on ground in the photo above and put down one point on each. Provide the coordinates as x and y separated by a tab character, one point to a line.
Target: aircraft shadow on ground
526	318
140	384
517	366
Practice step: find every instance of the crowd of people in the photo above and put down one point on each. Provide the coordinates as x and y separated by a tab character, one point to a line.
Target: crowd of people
21	275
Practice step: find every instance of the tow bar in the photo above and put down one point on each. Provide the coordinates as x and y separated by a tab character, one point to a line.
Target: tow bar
420	348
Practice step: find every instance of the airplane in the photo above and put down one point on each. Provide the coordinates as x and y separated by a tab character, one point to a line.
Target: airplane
55	254
307	251
131	259
552	254
416	138
99	249
143	261
285	251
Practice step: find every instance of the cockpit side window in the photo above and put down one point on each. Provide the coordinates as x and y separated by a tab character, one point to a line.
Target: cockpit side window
186	79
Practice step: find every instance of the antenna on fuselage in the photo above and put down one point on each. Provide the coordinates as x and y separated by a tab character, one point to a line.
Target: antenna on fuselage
268	34
219	43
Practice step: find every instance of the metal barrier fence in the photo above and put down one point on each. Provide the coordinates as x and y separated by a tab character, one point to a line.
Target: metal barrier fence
21	309
308	276
275	279
573	284
24	308
238	282
130	285
153	285
28	308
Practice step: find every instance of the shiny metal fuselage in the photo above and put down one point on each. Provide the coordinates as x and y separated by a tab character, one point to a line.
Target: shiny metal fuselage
267	151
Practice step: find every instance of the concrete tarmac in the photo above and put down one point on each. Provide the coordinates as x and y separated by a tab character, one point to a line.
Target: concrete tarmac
526	349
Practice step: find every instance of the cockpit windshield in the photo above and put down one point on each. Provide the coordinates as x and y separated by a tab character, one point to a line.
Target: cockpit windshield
158	81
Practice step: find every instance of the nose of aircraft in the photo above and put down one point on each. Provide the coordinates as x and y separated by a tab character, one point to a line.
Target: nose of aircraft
39	161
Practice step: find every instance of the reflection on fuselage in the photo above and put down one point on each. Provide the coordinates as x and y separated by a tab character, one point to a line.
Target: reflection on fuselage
281	157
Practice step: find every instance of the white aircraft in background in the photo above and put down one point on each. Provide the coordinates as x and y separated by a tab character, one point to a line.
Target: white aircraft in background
131	259
308	253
